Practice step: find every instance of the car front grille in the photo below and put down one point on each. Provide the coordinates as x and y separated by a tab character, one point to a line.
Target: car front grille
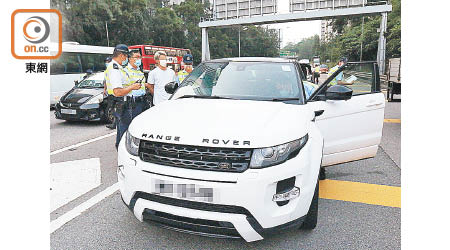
195	157
70	105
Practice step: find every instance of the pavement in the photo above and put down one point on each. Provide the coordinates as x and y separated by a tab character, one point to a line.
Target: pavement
354	207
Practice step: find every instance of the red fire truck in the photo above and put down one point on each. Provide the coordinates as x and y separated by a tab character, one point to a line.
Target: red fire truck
174	56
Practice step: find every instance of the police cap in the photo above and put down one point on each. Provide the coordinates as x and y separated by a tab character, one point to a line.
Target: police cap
343	59
122	48
108	59
188	59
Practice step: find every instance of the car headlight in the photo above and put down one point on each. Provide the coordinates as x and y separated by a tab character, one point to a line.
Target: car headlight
266	157
96	99
132	144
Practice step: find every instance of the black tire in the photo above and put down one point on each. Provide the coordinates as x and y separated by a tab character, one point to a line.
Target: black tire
311	218
322	174
109	117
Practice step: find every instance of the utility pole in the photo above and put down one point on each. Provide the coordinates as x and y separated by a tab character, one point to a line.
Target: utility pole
239	38
381	54
362	39
107	35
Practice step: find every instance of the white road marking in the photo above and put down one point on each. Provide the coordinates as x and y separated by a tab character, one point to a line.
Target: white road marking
71	179
63	219
82	143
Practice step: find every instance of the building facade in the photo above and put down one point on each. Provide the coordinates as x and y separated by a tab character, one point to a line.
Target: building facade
326	31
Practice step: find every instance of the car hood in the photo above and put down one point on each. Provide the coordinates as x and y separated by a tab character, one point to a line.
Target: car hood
222	123
80	95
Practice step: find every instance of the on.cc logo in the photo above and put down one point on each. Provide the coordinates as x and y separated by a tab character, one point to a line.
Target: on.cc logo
40	28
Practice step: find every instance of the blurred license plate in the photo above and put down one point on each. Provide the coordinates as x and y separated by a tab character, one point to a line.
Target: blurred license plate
183	191
69	111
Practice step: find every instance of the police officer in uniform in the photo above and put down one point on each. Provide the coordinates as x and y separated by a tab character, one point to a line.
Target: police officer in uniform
187	60
109	97
117	83
316	74
339	79
138	101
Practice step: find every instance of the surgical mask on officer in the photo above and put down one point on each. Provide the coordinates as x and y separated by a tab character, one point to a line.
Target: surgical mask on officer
138	62
106	65
125	62
163	63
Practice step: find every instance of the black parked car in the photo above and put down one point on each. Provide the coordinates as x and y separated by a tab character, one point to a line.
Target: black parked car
85	101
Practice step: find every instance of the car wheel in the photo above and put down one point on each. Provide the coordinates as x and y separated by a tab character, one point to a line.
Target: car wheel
322	174
311	218
109	115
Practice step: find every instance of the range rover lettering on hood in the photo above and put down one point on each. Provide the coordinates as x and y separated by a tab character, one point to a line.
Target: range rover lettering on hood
161	137
226	142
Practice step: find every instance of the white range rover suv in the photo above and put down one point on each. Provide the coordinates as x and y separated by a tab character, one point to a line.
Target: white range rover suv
238	149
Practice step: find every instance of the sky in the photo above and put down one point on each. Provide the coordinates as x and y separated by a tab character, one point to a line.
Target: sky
294	32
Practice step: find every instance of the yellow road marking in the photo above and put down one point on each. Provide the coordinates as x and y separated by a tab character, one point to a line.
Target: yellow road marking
392	120
360	192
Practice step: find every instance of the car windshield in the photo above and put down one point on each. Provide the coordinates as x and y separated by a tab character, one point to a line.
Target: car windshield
269	81
90	83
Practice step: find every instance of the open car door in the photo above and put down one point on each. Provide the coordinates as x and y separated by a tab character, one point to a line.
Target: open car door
353	113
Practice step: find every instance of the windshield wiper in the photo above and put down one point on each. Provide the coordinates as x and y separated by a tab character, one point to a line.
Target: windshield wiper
204	97
284	99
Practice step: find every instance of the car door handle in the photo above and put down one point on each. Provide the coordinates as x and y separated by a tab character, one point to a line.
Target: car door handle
373	103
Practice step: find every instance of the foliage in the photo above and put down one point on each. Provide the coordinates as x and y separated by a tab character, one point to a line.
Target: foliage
349	35
306	48
156	22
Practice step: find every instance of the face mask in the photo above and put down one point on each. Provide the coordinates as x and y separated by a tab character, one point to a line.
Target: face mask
163	63
106	65
138	62
124	63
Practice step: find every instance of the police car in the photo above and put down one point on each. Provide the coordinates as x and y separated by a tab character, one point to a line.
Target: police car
84	102
237	152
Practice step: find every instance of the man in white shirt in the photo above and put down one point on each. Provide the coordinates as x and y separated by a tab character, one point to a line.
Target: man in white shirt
159	77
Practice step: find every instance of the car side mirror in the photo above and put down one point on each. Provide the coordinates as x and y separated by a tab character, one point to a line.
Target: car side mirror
338	92
171	87
76	82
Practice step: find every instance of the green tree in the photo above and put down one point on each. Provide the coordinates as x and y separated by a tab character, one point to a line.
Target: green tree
307	48
349	36
155	22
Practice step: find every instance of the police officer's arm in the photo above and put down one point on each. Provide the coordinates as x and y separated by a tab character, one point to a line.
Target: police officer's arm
341	82
124	91
117	85
105	91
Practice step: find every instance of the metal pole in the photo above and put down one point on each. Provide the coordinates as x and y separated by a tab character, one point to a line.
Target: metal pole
205	45
362	38
107	35
239	34
279	39
381	55
261	7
